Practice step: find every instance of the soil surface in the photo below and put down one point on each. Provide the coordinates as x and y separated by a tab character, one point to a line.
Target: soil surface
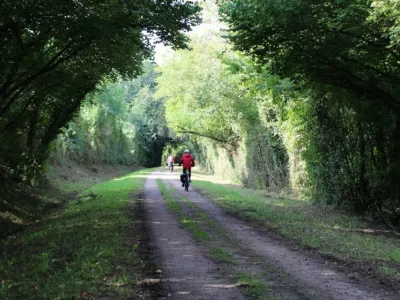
188	271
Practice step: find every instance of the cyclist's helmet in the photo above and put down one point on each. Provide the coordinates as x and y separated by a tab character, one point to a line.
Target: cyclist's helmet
186	151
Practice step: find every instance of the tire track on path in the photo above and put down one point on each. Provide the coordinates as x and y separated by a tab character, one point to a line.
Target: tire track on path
257	278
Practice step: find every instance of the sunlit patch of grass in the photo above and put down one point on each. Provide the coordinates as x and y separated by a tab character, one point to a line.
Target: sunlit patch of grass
194	228
254	287
396	256
389	271
201	174
79	252
173	204
331	232
221	255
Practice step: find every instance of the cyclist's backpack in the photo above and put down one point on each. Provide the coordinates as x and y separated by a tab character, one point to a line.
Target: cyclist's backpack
183	177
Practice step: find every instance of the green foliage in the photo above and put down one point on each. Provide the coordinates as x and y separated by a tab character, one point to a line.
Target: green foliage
343	58
210	98
54	54
151	133
98	135
349	156
386	13
198	97
121	123
297	36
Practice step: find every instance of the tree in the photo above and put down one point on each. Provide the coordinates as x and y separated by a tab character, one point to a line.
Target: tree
208	99
54	53
148	118
346	60
298	36
387	14
121	123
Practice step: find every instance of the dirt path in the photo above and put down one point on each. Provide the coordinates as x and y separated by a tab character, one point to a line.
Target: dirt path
186	272
189	271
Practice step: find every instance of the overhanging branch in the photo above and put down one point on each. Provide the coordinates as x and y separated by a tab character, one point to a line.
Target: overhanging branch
183	130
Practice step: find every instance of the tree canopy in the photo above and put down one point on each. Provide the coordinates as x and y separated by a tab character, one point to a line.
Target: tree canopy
54	53
214	97
312	97
290	95
335	43
120	123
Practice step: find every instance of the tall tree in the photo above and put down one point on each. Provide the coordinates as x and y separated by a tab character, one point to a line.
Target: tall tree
345	53
121	123
332	42
207	98
54	53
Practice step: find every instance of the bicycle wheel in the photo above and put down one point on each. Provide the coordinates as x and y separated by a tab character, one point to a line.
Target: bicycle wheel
187	185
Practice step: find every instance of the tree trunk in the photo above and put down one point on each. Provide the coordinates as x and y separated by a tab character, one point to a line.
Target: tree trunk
361	204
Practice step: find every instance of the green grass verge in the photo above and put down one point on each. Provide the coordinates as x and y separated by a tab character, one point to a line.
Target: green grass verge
255	288
79	252
332	233
221	255
173	204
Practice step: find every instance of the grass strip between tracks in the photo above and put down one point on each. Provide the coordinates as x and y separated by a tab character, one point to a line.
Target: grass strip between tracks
253	286
173	204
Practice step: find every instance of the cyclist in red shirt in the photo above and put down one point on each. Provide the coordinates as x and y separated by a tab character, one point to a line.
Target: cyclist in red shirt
188	162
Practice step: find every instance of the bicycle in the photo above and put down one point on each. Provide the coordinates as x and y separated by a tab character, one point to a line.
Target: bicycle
185	180
171	167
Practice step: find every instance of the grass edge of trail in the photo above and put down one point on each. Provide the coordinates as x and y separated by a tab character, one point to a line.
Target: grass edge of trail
81	251
329	232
